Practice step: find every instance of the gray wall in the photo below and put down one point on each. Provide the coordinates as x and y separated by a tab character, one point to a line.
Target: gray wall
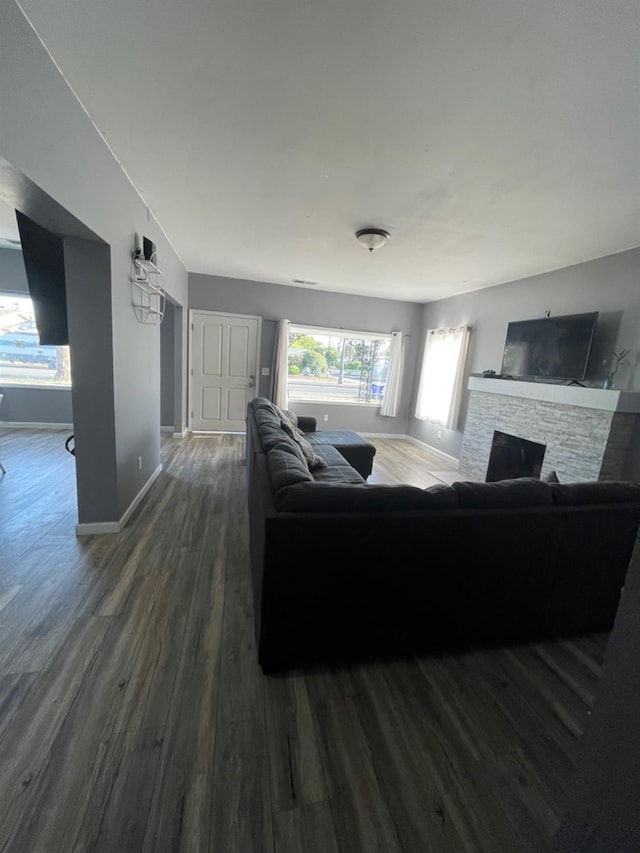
167	363
29	405
609	285
50	143
272	302
88	284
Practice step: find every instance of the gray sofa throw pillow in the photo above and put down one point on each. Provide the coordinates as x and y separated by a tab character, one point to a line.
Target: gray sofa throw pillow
313	460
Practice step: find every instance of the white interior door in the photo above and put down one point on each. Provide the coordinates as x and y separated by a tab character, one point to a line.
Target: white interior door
224	353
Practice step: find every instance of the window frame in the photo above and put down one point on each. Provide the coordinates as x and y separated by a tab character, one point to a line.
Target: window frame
8	383
329	332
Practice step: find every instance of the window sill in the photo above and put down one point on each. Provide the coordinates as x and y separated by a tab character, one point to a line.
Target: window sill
5	386
308	402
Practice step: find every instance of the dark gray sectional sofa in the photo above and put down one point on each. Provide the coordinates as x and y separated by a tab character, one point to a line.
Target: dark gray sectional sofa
342	569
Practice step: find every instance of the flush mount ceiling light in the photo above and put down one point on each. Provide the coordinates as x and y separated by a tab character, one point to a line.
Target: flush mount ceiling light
372	238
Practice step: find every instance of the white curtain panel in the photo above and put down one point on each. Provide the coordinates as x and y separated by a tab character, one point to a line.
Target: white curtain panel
440	389
279	390
393	386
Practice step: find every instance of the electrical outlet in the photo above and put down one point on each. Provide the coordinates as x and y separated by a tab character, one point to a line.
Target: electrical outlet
139	463
439	433
325	417
265	371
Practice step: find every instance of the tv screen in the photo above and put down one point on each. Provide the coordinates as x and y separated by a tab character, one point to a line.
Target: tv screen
553	347
44	264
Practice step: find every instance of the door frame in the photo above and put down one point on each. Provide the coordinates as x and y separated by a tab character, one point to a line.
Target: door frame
193	311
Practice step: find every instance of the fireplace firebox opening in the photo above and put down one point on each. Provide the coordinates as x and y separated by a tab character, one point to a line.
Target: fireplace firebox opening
513	457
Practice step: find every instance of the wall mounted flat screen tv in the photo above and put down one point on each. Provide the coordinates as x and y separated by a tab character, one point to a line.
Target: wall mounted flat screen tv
551	347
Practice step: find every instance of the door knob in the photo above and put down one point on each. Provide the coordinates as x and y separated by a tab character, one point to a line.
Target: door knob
252	382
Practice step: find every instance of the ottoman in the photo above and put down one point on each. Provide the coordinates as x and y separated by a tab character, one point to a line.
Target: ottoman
356	450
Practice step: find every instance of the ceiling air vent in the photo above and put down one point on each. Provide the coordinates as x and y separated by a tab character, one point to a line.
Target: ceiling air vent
302	281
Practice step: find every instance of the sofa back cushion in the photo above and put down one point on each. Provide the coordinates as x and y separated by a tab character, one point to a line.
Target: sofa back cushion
341	497
286	469
524	491
575	494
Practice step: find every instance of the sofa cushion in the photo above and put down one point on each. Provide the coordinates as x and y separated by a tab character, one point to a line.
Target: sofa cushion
524	491
338	474
333	456
289	446
264	409
331	497
290	418
286	469
262	403
339	438
314	460
574	494
440	497
271	435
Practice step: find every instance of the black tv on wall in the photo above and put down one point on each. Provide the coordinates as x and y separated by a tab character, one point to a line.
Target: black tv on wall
551	347
44	264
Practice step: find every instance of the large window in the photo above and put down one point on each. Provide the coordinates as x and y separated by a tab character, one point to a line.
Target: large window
22	360
337	366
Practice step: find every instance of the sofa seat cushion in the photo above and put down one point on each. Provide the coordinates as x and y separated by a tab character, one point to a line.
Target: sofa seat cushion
332	497
524	491
575	494
286	469
338	474
333	456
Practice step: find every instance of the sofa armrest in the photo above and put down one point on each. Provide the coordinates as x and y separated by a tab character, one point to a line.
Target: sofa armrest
307	424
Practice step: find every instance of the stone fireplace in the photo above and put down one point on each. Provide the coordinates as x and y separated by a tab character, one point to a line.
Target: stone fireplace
587	431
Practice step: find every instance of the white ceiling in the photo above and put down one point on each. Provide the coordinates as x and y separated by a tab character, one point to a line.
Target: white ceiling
494	139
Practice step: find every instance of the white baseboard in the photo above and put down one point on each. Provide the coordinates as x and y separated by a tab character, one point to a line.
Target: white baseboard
382	434
33	425
182	434
217	432
92	528
166	429
143	491
97	527
432	449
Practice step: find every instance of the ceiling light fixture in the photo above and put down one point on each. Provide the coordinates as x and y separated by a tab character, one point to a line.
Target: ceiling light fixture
372	238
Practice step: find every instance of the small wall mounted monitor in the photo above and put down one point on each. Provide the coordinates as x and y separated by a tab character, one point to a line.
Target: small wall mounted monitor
551	347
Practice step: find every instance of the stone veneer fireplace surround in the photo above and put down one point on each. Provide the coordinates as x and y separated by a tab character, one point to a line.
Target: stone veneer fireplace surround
587	431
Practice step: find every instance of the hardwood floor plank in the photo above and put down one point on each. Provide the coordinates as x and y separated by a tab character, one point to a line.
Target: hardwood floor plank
359	810
13	691
7	593
25	745
309	829
404	764
241	803
117	810
296	777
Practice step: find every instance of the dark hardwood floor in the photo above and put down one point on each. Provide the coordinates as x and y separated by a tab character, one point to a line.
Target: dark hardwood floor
134	717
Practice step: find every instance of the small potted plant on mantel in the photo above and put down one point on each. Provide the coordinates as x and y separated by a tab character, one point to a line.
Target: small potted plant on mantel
614	361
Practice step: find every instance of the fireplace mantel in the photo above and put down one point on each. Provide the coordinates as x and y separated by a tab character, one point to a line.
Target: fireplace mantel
569	395
587	431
